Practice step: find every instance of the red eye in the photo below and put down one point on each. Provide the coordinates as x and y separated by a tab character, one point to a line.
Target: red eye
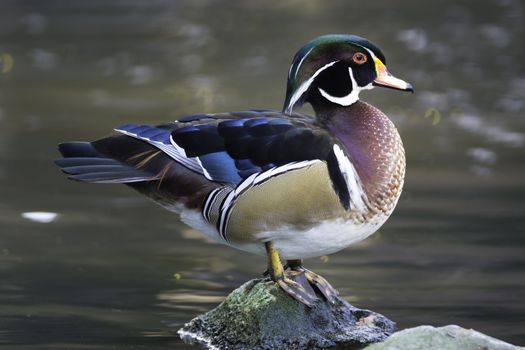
359	58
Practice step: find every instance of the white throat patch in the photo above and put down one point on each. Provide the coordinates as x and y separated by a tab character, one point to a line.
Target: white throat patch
352	97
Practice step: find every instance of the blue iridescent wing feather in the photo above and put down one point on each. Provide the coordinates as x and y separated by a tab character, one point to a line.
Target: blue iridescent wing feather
254	142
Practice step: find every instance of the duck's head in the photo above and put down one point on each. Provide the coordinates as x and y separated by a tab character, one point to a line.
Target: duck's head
331	70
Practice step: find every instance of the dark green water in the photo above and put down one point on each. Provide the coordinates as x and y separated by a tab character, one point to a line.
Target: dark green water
101	275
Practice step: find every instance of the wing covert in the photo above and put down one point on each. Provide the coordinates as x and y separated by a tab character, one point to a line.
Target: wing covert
255	141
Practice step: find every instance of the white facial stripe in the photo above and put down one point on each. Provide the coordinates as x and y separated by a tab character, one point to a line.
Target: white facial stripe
304	86
374	57
370	52
301	62
290	71
352	97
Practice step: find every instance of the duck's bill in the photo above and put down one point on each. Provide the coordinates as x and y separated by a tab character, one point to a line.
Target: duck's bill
392	82
385	79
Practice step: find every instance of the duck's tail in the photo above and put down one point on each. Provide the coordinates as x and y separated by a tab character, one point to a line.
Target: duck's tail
122	159
82	162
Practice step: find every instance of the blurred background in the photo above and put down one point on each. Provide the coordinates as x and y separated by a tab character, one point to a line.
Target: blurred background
105	268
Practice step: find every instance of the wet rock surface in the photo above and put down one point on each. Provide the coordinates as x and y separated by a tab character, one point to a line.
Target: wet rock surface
441	338
259	315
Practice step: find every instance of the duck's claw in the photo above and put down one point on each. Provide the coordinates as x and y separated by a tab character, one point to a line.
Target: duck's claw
319	282
296	285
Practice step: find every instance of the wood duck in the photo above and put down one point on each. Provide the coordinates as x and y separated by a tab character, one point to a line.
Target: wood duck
276	183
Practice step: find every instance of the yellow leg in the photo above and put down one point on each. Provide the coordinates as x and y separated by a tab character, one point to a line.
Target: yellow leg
274	262
294	288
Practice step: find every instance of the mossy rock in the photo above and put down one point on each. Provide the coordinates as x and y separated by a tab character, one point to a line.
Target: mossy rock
259	315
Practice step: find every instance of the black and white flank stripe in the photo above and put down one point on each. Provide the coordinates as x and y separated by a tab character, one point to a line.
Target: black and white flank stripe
220	202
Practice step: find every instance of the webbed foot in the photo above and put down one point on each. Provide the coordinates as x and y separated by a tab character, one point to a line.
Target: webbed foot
326	289
296	285
315	280
298	282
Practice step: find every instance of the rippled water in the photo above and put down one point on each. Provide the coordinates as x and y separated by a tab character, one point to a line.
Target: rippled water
112	270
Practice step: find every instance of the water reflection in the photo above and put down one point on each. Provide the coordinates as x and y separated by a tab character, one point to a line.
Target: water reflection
102	274
43	217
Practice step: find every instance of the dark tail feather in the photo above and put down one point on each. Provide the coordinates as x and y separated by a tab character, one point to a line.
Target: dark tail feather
78	149
122	159
84	163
